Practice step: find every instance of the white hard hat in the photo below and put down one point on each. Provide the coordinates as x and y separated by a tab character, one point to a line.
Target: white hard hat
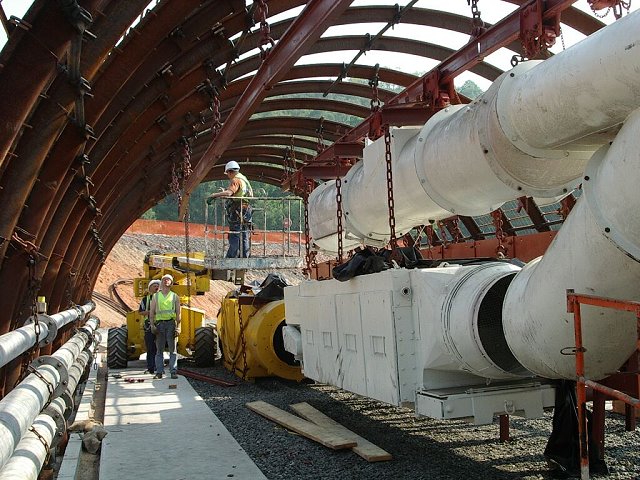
153	282
166	275
232	165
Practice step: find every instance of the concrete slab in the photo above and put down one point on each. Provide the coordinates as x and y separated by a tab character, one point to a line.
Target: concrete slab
157	431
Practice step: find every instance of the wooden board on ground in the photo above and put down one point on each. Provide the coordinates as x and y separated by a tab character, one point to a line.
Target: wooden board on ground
364	448
307	429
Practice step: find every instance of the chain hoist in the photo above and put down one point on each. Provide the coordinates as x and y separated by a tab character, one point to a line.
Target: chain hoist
477	25
243	342
265	42
501	249
339	212
393	242
373	83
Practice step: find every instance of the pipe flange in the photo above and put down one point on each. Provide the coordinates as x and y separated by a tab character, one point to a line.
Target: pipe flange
608	228
61	424
68	404
59	366
502	109
423	177
52	328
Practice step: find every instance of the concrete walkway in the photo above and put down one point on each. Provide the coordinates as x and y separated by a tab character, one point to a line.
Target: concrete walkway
162	430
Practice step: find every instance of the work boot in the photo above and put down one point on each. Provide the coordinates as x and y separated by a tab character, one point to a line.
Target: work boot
157	375
174	376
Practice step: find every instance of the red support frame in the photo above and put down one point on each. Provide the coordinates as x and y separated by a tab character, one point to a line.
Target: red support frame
573	306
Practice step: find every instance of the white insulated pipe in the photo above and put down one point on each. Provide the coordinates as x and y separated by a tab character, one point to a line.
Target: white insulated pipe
531	133
20	407
596	252
18	341
30	453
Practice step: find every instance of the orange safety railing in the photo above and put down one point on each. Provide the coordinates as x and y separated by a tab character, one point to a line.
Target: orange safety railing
573	306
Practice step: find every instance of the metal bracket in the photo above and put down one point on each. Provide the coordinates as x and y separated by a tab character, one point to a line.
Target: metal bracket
52	328
59	366
61	425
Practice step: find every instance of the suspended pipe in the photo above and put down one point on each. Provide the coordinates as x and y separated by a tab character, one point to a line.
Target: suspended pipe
532	133
22	405
30	454
18	341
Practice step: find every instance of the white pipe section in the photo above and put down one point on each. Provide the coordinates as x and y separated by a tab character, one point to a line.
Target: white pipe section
595	252
18	341
470	159
20	407
458	330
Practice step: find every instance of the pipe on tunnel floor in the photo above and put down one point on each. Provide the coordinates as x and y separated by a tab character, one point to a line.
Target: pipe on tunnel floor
19	409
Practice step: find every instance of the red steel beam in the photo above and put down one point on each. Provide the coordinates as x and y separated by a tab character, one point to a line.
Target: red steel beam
500	35
310	24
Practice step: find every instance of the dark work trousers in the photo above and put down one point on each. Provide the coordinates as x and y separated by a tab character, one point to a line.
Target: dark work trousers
239	239
150	343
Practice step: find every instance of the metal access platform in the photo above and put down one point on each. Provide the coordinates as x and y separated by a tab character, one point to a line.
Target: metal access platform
276	235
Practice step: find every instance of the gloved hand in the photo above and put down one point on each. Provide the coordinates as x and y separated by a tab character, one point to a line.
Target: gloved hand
209	200
154	329
177	332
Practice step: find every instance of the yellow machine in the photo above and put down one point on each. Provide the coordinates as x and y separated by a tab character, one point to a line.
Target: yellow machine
250	331
196	339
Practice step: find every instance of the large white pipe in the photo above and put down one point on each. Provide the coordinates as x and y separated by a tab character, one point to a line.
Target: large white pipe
470	159
596	252
20	340
20	407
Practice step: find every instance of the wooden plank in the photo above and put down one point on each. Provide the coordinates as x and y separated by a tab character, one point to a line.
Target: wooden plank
364	448
303	427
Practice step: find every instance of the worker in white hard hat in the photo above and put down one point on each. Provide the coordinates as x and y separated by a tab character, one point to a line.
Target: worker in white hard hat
149	336
238	211
164	315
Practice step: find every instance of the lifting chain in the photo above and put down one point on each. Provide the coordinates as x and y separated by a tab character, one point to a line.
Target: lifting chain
456	229
320	145
243	343
477	25
307	236
616	5
290	159
373	83
265	42
429	232
393	242
33	287
339	212
186	172
501	249
214	106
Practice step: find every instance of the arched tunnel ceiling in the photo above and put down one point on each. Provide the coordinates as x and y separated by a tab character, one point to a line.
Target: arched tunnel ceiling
95	110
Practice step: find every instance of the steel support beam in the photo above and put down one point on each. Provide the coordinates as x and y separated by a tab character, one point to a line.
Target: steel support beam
317	16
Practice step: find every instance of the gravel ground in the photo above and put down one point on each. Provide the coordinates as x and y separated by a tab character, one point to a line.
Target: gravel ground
422	448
